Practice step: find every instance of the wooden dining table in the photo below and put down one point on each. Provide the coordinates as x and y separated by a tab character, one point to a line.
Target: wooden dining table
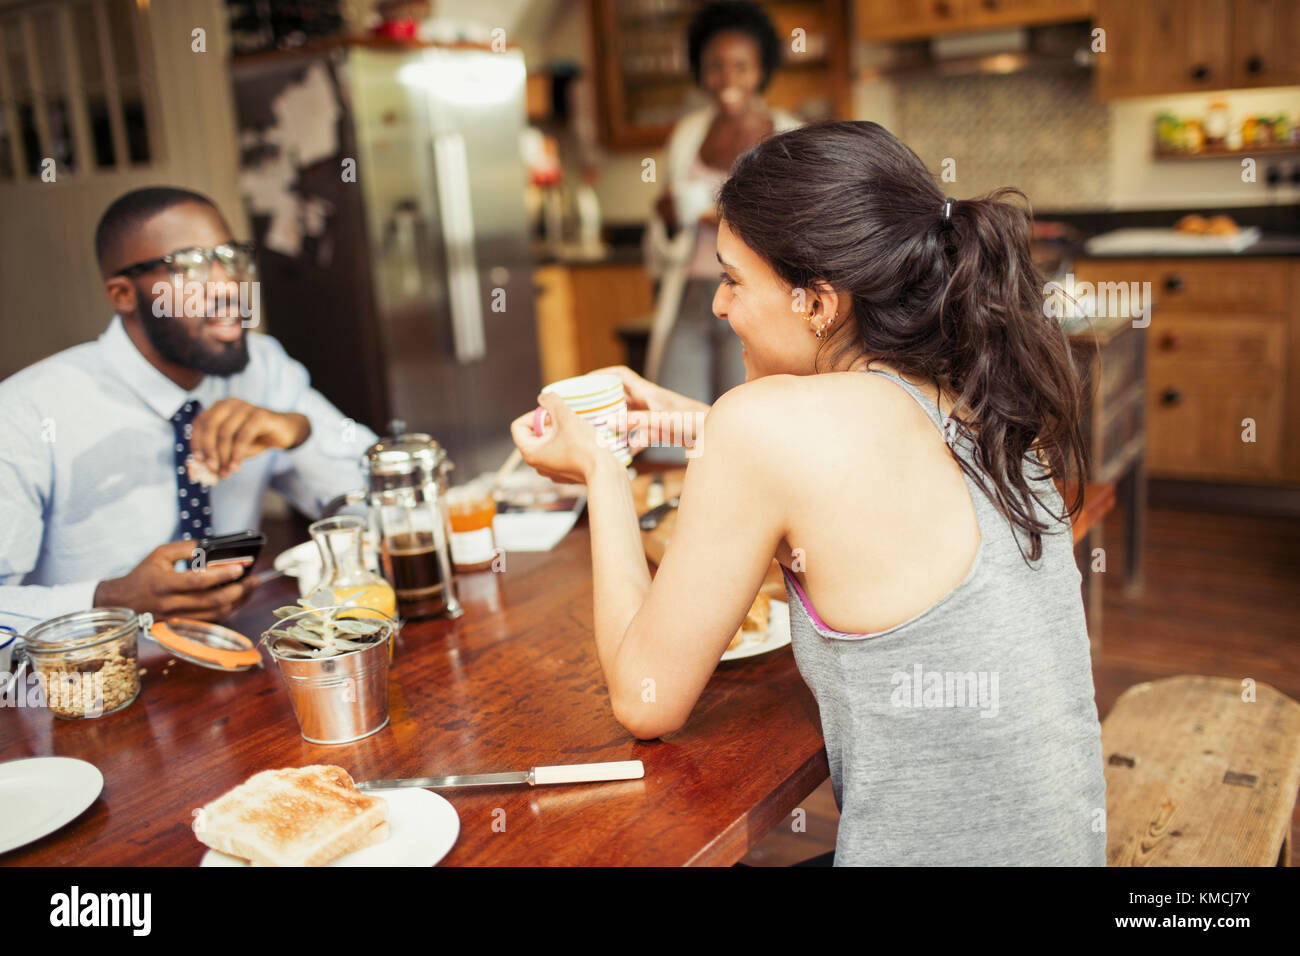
512	684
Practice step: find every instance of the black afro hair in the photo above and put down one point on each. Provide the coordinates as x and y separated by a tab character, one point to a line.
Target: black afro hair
740	16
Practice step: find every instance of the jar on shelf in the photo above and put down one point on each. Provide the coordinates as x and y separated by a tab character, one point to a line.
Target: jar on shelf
1169	132
1217	123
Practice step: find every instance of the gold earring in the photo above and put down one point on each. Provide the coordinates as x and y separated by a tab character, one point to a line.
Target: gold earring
817	332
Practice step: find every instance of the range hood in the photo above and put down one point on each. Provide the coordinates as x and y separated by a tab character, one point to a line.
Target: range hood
1056	48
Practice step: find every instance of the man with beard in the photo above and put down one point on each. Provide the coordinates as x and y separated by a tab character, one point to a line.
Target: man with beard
118	455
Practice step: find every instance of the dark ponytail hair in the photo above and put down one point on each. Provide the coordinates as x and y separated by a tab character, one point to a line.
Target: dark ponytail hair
848	206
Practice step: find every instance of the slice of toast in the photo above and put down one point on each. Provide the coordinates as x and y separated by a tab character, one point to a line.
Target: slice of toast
303	816
376	836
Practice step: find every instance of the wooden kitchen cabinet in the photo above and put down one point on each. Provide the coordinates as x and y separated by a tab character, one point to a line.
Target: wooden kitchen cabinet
1201	284
1223	352
1198	418
1265	42
986	14
1163	46
579	309
1185	46
877	20
907	19
1209	377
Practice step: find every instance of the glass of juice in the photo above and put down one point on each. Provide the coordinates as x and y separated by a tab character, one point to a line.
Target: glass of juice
471	510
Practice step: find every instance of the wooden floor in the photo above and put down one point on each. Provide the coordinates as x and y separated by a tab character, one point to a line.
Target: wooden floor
1222	598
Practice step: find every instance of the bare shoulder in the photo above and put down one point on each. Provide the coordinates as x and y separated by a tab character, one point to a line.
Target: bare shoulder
761	414
816	405
804	422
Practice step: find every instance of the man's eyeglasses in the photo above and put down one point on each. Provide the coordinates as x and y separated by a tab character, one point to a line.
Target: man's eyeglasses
195	264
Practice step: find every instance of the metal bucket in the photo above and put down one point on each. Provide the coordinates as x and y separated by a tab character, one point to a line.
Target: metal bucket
338	699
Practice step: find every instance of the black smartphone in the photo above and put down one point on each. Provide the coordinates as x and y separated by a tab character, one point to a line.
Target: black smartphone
242	548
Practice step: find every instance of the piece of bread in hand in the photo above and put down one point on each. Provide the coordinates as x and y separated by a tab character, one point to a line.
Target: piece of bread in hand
200	473
755	623
301	816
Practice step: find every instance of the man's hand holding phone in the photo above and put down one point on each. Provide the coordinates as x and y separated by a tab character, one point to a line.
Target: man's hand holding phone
210	594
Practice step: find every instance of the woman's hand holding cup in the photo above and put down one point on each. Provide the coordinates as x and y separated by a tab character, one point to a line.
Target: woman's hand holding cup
566	449
656	416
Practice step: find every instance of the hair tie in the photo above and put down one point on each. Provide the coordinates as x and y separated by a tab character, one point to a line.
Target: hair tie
947	210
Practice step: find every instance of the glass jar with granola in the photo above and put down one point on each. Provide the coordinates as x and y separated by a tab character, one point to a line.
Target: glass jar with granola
86	662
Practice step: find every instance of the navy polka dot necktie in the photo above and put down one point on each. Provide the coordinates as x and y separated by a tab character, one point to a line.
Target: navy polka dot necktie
196	511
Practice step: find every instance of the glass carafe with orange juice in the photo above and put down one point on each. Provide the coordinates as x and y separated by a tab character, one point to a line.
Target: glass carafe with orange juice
344	571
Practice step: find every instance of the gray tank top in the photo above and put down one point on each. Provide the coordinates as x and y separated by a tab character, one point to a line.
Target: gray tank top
967	735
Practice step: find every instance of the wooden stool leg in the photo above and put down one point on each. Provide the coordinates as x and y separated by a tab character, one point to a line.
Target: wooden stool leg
1133	488
1093	587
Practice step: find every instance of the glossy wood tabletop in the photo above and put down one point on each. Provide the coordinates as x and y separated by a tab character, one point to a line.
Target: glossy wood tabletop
512	684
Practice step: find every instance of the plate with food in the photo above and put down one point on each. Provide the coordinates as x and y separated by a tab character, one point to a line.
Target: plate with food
766	628
42	794
315	816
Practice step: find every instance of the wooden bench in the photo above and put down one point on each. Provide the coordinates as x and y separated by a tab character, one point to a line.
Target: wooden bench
1197	776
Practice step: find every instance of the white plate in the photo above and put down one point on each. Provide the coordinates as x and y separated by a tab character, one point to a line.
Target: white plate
778	634
41	794
422	829
302	561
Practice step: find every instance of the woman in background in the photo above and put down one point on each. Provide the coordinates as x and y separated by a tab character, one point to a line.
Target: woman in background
733	51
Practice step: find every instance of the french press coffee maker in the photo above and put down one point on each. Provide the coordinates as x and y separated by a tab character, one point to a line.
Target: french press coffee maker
406	477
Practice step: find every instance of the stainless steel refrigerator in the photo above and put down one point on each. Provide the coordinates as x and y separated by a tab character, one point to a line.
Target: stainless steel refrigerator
386	188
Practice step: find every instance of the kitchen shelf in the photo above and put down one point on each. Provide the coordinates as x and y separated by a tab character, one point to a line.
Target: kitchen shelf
1218	152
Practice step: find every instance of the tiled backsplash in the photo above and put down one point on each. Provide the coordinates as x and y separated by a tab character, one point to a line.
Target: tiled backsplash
1041	132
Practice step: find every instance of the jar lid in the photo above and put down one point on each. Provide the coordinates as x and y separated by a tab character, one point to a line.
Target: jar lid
83	629
406	454
208	645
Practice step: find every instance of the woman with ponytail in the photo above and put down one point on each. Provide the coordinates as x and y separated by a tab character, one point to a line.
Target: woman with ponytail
907	411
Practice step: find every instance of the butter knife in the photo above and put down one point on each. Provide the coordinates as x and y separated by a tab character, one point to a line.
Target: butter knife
567	773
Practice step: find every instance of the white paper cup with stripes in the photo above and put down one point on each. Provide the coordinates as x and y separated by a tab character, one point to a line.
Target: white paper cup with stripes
600	401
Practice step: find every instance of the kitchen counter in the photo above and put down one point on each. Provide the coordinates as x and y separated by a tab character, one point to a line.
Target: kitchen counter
575	256
1279	226
1276	244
